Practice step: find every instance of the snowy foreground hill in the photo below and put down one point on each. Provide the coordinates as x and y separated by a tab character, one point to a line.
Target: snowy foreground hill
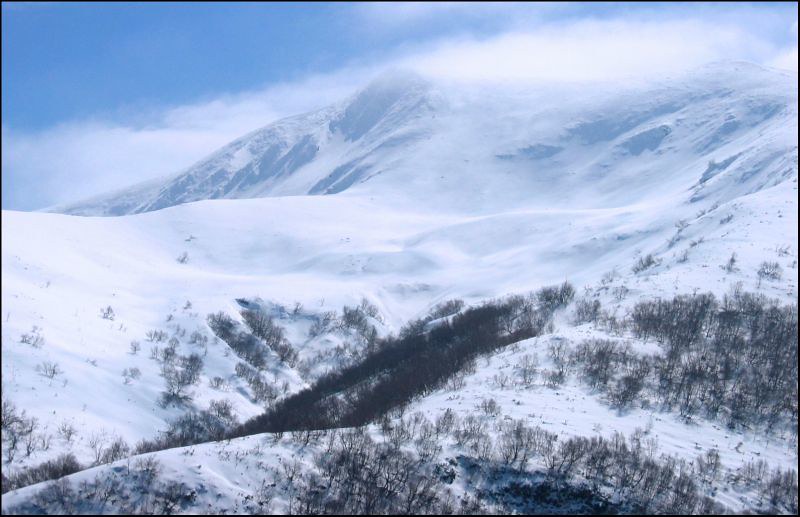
328	238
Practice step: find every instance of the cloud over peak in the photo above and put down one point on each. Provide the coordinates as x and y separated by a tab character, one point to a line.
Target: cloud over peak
81	158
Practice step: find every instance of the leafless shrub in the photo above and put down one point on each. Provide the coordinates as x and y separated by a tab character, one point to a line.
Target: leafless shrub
370	310
149	467
783	251
620	292
517	443
586	311
33	338
48	369
198	338
753	472
129	374
66	431
156	336
218	383
325	323
28	431
107	313
116	450
645	262
489	407
59	467
456	382
446	308
501	380
608	277
730	266
97	443
770	271
553	378
527	369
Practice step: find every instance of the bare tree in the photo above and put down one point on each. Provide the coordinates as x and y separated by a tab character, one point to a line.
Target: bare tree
33	338
770	271
97	443
129	374
527	369
67	431
48	369
730	266
156	336
645	262
28	430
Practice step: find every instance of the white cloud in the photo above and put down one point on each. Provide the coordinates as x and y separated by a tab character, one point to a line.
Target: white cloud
80	159
588	51
395	16
77	160
83	158
786	59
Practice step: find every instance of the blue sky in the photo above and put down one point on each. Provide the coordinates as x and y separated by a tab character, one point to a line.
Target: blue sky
100	96
65	61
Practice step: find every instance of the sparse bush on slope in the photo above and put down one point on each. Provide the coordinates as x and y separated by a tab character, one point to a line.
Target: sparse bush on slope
414	364
734	359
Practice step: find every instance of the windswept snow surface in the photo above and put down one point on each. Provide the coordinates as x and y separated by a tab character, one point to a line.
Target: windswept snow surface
407	195
722	131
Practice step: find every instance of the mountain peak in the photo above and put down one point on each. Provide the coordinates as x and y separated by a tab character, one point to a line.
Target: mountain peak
393	92
402	137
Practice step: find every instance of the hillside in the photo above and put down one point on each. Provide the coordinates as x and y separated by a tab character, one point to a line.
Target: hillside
404	196
722	131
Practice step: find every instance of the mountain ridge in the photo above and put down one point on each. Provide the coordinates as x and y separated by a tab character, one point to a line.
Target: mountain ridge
404	130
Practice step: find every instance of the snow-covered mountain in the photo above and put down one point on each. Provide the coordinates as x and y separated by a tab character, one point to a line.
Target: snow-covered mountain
322	152
721	131
405	195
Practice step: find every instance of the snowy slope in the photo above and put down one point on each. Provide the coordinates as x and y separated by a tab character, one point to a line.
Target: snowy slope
321	152
472	194
60	271
414	143
232	475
